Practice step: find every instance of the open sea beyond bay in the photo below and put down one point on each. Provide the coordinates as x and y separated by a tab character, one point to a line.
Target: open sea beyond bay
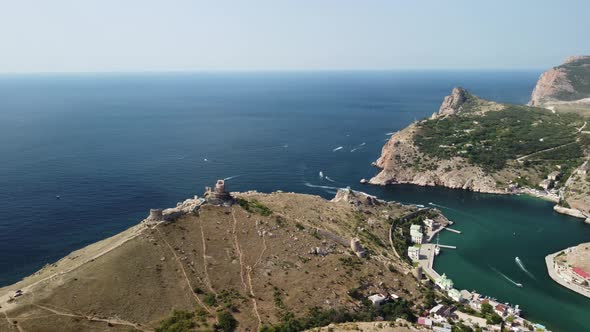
111	146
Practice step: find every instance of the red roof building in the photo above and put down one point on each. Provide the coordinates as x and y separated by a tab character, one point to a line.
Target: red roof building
581	273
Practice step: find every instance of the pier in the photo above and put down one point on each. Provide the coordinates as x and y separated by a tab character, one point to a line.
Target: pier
446	246
452	230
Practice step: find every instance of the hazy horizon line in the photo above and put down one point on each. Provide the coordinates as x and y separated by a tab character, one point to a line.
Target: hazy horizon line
309	70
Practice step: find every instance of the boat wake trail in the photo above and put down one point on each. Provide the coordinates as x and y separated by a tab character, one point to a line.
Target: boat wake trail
307	184
338	148
442	206
360	146
523	268
231	177
506	277
328	178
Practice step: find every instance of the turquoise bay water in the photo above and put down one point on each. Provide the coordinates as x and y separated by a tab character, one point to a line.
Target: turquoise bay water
113	146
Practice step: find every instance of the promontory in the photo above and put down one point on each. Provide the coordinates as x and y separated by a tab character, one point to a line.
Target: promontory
490	147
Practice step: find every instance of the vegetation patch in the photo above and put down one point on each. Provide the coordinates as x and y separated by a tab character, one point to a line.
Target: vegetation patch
318	317
179	321
226	322
493	139
254	206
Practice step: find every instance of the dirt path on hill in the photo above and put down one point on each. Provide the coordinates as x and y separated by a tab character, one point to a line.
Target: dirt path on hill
207	279
520	159
248	270
238	250
185	275
110	320
4	298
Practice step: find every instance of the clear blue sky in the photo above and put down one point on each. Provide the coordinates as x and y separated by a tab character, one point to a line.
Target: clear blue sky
153	35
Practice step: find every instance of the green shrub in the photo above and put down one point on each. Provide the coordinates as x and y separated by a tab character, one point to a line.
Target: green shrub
180	321
254	206
226	322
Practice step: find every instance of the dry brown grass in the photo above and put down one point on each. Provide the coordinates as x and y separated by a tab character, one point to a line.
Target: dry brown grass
263	260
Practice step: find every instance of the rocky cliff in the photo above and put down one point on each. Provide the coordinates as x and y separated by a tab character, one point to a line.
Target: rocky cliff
565	87
402	161
484	146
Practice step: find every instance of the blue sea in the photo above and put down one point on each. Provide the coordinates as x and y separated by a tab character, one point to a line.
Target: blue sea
85	156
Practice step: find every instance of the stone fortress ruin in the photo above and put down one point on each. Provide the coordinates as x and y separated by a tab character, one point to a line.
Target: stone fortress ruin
216	196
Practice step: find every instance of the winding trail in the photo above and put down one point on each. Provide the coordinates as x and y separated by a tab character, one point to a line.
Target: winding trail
521	159
248	268
207	279
113	321
8	321
185	275
116	245
239	251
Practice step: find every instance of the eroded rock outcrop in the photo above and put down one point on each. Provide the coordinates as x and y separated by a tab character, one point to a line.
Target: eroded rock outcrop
453	102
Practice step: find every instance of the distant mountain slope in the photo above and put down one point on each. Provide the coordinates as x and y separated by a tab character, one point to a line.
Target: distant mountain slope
484	146
565	87
268	260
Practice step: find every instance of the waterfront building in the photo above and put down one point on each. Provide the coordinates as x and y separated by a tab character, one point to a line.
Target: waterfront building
580	276
455	295
554	176
429	223
444	282
416	234
414	253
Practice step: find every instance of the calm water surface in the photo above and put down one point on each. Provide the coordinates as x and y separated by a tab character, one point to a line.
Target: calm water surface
113	146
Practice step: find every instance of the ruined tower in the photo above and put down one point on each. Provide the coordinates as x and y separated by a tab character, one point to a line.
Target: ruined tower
218	195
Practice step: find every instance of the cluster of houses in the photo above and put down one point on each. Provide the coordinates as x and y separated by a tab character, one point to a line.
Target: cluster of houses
440	316
417	235
551	180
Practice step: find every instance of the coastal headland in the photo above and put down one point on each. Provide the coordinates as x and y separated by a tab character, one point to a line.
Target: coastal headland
244	259
490	147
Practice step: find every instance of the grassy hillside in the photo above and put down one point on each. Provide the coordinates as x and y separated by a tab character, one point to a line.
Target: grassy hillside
275	262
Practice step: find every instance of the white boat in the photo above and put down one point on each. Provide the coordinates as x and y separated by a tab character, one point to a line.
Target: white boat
437	247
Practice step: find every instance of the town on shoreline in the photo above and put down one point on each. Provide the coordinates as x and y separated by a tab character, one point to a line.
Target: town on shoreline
469	308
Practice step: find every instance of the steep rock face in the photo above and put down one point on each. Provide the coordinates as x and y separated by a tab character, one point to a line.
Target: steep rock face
400	155
568	82
549	85
453	102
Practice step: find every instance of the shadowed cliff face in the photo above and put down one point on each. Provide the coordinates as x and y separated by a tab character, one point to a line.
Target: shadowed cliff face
565	87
